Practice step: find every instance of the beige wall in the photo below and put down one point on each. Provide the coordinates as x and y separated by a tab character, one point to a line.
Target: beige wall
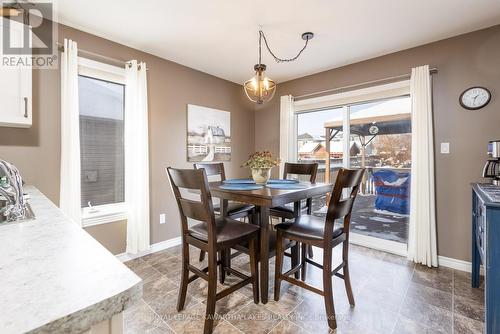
171	87
113	236
463	61
472	59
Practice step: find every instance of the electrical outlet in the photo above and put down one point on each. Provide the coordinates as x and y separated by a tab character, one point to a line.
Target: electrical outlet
445	148
162	218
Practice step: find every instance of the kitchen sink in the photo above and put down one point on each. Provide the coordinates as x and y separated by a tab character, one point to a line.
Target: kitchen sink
29	215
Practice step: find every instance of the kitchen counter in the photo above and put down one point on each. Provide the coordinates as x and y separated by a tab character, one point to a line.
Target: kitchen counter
489	193
485	243
54	277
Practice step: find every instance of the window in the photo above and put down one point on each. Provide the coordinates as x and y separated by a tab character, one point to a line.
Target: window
369	128
311	136
101	92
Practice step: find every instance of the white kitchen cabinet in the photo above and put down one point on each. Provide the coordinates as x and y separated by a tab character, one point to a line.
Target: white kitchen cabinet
15	87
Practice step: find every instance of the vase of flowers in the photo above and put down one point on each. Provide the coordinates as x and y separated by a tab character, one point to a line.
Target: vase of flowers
261	164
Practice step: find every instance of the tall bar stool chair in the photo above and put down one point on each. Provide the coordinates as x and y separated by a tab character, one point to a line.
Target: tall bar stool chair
311	230
287	211
235	210
214	236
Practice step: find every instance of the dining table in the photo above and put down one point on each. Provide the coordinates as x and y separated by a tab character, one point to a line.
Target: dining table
264	199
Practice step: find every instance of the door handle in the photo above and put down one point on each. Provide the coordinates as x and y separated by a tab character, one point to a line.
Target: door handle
26	107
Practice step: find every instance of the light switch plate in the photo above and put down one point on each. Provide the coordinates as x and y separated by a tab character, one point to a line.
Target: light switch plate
445	148
162	218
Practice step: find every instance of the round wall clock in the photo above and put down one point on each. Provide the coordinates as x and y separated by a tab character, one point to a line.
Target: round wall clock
373	130
475	98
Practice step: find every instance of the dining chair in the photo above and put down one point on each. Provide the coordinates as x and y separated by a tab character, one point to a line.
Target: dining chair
212	235
326	234
235	210
287	211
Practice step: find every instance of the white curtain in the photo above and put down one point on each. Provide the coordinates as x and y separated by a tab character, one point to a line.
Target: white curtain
70	197
136	157
286	131
422	245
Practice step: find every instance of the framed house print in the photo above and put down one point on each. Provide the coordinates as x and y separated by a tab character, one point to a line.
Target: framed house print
208	134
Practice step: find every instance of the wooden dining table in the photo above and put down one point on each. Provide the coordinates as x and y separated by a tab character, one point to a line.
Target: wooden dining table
264	199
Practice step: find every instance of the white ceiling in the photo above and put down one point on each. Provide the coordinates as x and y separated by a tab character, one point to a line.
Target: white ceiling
220	37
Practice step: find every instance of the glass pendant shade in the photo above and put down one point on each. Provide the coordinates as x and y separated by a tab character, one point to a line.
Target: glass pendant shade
260	89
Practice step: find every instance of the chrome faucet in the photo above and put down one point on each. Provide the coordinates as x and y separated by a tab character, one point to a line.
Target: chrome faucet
11	187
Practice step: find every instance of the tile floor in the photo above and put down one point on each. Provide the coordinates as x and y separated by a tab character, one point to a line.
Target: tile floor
392	296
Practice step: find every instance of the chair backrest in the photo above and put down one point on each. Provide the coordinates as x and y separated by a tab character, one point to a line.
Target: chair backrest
212	169
310	169
202	210
342	207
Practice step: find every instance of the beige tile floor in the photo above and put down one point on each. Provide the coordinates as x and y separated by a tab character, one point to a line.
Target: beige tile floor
392	296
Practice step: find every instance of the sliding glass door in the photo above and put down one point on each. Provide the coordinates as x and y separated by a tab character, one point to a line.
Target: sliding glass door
375	135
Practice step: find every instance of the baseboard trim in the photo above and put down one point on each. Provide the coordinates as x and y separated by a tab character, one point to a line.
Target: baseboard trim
456	264
157	247
357	239
402	250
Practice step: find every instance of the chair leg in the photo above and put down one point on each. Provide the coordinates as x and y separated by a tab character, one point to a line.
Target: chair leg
309	206
181	300
212	291
279	265
202	256
310	251
254	219
347	278
295	258
254	269
303	262
222	272
309	212
327	288
228	260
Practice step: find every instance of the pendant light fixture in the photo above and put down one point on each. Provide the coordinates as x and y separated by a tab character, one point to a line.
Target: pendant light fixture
260	89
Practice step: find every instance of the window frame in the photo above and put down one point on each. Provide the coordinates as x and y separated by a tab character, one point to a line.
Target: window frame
106	213
345	100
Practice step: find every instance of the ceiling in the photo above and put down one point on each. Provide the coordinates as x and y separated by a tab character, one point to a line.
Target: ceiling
220	37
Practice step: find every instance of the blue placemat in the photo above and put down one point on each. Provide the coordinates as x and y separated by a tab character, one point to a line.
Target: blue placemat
240	186
286	186
251	181
281	181
239	181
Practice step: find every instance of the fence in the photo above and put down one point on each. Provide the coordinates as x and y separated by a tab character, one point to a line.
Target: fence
198	149
222	149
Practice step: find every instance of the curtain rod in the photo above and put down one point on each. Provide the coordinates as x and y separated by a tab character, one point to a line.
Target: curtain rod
402	76
121	62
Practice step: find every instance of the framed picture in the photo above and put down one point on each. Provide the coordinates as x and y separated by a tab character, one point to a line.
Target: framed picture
208	134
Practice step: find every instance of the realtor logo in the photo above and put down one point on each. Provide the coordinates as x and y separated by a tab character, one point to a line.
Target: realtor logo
28	34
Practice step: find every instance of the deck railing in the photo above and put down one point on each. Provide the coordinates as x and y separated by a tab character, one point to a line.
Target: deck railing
367	186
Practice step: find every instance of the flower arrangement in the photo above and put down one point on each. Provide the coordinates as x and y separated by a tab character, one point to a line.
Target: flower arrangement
261	160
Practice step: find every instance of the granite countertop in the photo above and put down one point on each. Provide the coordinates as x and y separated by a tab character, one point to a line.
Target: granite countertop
489	193
54	277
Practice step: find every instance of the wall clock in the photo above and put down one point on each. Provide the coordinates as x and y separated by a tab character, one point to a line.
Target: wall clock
373	130
475	98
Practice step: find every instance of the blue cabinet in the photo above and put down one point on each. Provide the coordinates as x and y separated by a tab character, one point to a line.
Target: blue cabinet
486	250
